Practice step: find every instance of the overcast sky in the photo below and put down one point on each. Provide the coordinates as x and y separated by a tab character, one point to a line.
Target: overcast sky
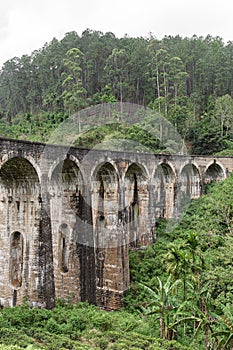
25	25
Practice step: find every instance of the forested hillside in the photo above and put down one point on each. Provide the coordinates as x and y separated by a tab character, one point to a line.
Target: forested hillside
188	80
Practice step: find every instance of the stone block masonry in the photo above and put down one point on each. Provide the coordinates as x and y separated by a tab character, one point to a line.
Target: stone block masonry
68	217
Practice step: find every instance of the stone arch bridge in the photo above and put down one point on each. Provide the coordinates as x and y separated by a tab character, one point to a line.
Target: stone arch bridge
68	216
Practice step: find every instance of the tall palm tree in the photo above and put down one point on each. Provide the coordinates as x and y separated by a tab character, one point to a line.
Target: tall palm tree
178	264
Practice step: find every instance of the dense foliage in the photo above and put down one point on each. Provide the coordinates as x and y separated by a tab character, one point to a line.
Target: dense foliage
77	327
189	295
188	80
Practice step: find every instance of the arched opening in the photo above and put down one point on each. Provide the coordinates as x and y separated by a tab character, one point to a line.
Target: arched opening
74	266
189	182
18	176
105	203
22	211
16	259
19	190
165	191
63	248
67	189
214	173
107	227
136	204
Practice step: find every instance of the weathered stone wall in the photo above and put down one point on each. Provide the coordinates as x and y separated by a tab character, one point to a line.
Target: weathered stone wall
68	216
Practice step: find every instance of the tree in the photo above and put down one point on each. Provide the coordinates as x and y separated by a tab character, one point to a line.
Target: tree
178	263
177	77
158	65
162	303
117	70
223	114
73	93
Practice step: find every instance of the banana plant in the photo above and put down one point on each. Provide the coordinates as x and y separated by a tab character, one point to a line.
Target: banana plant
162	304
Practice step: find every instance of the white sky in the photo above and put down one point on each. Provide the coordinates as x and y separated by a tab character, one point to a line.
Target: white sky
26	25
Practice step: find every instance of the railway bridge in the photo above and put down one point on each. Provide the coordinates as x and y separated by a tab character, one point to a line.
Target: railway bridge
68	216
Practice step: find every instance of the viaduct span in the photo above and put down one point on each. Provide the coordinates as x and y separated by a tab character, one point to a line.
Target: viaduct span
68	216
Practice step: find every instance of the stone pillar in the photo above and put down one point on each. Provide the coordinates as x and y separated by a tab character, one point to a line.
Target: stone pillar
86	249
151	215
46	288
112	261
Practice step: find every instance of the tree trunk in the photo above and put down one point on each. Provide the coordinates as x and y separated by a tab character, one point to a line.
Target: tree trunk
165	91
158	85
162	325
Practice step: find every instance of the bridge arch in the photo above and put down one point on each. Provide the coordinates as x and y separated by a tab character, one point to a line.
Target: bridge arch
214	172
190	162
68	212
66	186
189	183
136	203
105	203
167	169
29	158
110	241
104	164
165	181
141	168
105	198
20	224
105	172
19	177
60	161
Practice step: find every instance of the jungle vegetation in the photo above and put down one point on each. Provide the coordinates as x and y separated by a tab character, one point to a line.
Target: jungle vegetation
187	80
